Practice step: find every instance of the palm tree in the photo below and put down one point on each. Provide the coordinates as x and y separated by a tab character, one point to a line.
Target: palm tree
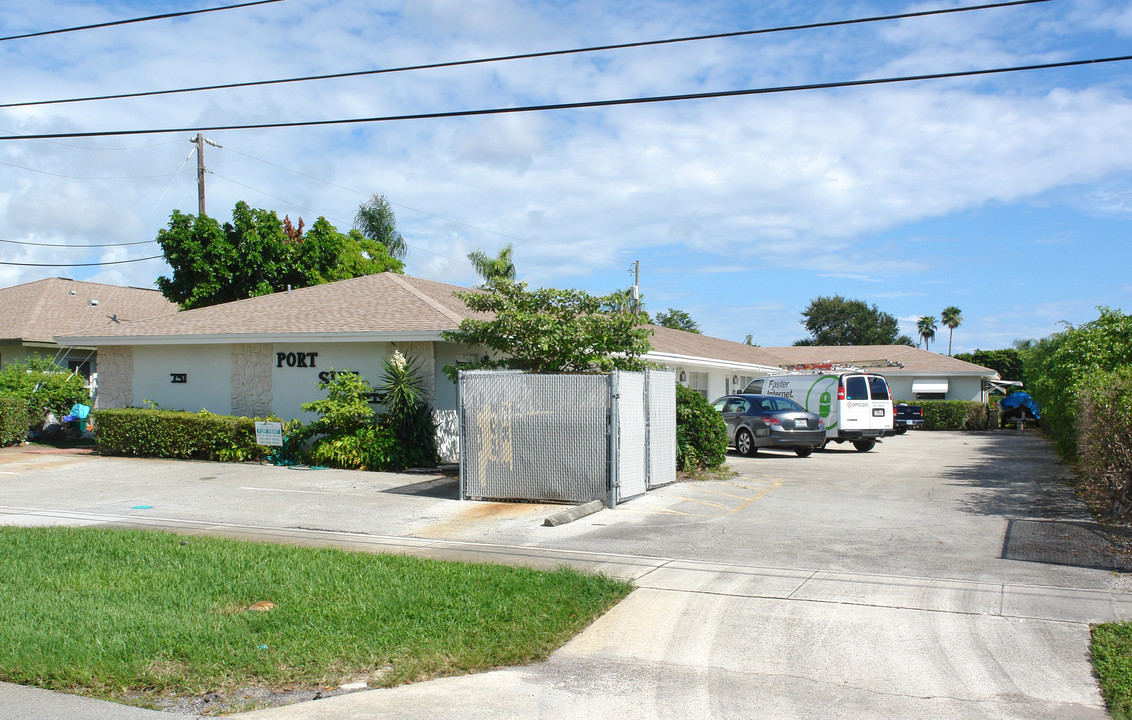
494	269
952	317
376	221
926	326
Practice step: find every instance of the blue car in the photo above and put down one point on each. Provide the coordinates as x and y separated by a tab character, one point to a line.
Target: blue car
770	421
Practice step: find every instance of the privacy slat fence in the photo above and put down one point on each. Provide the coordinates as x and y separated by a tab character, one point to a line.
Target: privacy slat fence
566	438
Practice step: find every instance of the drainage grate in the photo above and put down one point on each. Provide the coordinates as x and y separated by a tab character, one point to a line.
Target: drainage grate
1079	544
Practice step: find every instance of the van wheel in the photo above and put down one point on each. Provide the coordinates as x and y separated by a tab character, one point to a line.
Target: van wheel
864	445
804	451
745	444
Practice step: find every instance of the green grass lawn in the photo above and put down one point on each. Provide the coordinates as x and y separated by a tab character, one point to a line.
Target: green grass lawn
133	615
1112	660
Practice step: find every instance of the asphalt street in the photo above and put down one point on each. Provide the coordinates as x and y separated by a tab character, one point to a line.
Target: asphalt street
940	575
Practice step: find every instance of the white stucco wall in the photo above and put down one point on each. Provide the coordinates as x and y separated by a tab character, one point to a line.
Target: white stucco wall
207	370
961	387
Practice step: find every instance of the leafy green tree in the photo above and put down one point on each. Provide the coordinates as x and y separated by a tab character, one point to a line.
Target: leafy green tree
835	320
750	340
926	328
549	330
952	317
376	221
1006	362
677	320
256	254
494	269
622	301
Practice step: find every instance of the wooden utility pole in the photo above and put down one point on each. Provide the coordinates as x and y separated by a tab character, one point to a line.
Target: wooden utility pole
199	141
636	292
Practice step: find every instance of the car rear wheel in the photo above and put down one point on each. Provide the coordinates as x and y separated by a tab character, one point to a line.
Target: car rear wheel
804	451
864	445
745	444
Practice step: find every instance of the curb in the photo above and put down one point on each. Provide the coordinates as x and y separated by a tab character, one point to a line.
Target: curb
574	513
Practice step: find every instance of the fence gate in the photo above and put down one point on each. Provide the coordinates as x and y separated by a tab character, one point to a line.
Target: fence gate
660	399
565	438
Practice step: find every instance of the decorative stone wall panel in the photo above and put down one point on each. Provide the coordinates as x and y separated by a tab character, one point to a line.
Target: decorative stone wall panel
115	377
251	379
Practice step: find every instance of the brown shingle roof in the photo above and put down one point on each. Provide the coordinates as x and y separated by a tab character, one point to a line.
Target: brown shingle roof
913	359
382	303
679	342
393	303
38	311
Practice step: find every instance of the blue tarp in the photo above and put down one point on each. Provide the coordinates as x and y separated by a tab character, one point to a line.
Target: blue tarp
1020	400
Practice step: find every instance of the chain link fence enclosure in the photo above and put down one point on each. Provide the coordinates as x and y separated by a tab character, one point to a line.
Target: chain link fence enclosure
565	438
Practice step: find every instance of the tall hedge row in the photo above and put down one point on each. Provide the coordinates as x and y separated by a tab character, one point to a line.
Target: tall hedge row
1104	435
13	420
169	434
1082	378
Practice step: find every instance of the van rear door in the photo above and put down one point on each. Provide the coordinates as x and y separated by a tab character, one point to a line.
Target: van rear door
867	405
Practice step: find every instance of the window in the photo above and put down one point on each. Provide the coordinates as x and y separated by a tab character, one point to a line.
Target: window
878	388
698	381
856	388
744	381
931	396
782	404
83	366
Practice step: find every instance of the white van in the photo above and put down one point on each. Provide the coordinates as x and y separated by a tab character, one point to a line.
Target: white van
856	406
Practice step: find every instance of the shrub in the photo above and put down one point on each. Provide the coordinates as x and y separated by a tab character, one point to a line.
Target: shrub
43	384
367	448
1104	436
954	415
13	420
169	434
701	434
408	418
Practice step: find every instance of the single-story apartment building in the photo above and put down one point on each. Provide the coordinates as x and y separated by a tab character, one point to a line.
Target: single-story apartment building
265	355
33	314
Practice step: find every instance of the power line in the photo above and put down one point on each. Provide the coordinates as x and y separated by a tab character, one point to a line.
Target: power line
582	105
526	56
147	18
111	262
77	177
77	247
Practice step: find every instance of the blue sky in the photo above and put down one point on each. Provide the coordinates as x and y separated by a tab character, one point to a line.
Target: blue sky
1009	196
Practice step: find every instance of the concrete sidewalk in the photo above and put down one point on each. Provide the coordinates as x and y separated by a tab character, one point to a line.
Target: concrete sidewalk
716	640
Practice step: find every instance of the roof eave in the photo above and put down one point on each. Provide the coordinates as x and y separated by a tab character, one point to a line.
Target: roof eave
252	338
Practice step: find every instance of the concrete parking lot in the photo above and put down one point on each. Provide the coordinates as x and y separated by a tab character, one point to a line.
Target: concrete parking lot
941	575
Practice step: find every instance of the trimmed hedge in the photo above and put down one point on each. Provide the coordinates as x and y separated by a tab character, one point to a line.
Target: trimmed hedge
164	433
13	420
954	415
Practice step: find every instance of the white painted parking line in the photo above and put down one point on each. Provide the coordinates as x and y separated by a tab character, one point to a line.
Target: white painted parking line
284	490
